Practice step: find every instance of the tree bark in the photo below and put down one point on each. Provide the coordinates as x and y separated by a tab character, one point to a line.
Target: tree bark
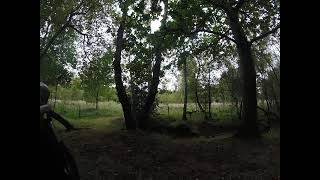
121	91
276	99
249	127
185	101
97	99
209	95
153	90
266	97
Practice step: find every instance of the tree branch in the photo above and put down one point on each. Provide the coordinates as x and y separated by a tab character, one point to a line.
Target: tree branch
54	37
219	34
239	4
50	42
264	34
78	31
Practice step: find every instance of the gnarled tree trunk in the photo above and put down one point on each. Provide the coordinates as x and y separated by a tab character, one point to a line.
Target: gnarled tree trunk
121	91
249	127
153	89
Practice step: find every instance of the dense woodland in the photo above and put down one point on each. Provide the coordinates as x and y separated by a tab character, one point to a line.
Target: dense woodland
164	68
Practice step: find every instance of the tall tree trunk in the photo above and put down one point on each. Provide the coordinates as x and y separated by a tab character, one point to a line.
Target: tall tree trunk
240	110
97	99
209	95
266	97
276	99
121	91
153	90
274	73
197	96
185	101
249	127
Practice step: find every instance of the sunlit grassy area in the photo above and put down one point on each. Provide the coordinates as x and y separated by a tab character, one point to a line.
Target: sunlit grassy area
83	110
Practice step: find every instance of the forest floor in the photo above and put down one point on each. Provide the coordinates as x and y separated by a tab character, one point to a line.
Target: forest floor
104	153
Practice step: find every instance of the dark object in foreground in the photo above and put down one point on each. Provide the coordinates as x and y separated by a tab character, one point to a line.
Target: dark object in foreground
63	121
179	130
56	159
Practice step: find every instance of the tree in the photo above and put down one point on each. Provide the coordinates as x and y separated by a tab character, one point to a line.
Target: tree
229	89
53	71
97	74
60	18
185	85
122	43
268	81
247	22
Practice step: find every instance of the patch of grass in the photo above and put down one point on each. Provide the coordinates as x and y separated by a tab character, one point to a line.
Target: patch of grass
108	124
81	109
83	114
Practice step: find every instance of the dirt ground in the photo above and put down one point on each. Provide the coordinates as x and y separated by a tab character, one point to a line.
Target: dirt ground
138	155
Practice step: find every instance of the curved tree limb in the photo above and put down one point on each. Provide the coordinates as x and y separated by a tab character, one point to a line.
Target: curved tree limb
77	30
52	39
264	34
62	29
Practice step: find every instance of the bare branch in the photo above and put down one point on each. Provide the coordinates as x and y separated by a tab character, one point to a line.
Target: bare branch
265	34
77	30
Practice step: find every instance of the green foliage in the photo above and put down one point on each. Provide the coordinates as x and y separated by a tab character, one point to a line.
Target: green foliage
53	72
181	37
96	76
170	97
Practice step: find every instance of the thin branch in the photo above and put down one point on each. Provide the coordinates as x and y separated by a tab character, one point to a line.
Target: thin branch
50	42
265	34
220	34
54	37
78	31
47	31
175	31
